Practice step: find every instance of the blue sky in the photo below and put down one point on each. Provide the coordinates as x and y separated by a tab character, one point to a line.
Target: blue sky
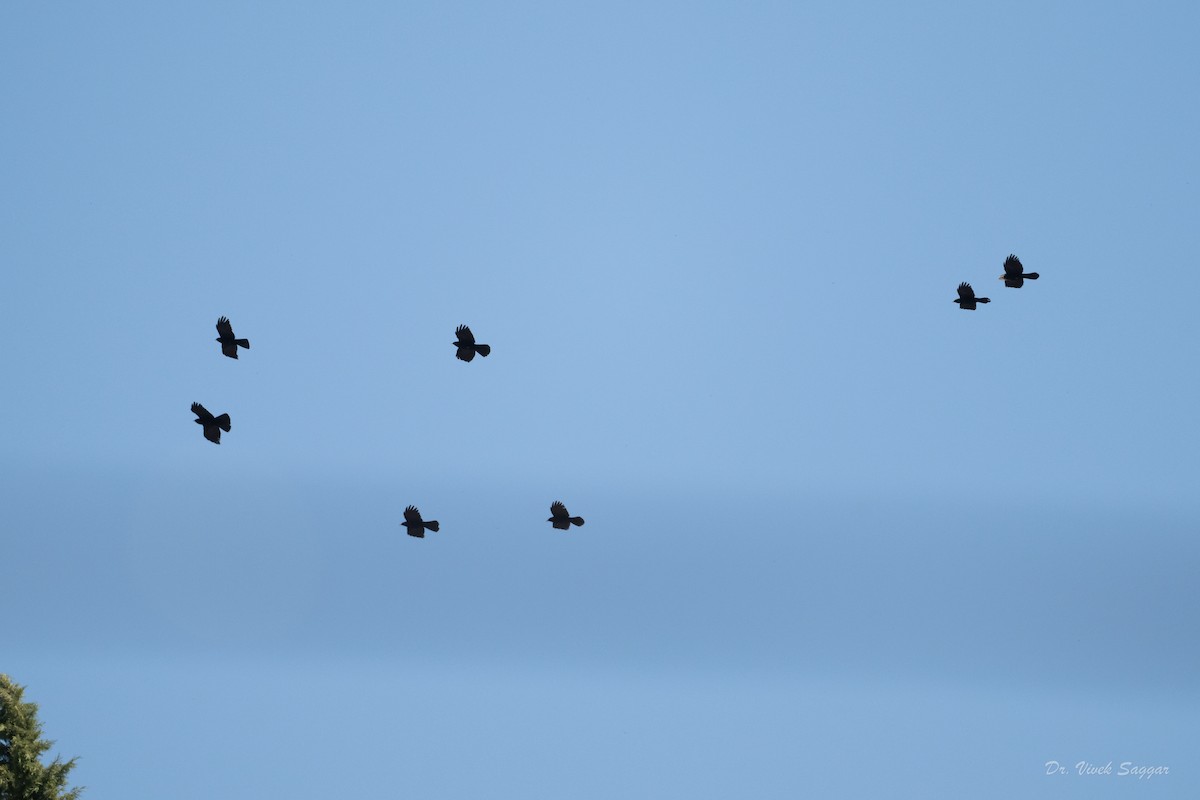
841	538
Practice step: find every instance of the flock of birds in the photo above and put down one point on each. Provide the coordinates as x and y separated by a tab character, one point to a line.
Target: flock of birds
466	348
1014	277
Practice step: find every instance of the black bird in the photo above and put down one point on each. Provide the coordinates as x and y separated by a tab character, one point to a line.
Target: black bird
967	299
561	518
416	526
212	425
466	345
229	345
1014	274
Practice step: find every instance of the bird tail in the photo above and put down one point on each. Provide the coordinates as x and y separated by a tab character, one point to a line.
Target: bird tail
986	299
1033	276
484	350
242	343
432	525
223	421
577	520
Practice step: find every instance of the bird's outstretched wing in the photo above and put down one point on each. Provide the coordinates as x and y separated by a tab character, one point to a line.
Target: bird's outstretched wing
212	433
966	293
464	335
202	414
557	510
1012	267
225	329
411	514
229	349
464	353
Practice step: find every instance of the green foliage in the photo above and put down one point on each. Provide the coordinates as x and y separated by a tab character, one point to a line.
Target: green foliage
23	776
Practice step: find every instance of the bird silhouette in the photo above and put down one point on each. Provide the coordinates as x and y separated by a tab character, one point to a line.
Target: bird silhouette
562	518
1014	274
229	344
415	525
212	425
967	299
466	345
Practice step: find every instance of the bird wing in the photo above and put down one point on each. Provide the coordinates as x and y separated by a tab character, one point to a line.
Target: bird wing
1012	266
464	334
558	510
202	414
965	292
229	349
1014	282
465	353
225	328
412	515
212	433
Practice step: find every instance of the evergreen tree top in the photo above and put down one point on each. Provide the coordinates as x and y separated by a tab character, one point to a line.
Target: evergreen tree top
23	776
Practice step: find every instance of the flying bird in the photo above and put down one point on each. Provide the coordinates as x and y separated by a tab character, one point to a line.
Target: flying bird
1014	274
212	425
416	526
967	299
229	345
561	518
466	345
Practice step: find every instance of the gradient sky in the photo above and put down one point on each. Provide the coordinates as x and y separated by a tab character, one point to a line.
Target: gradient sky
843	539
